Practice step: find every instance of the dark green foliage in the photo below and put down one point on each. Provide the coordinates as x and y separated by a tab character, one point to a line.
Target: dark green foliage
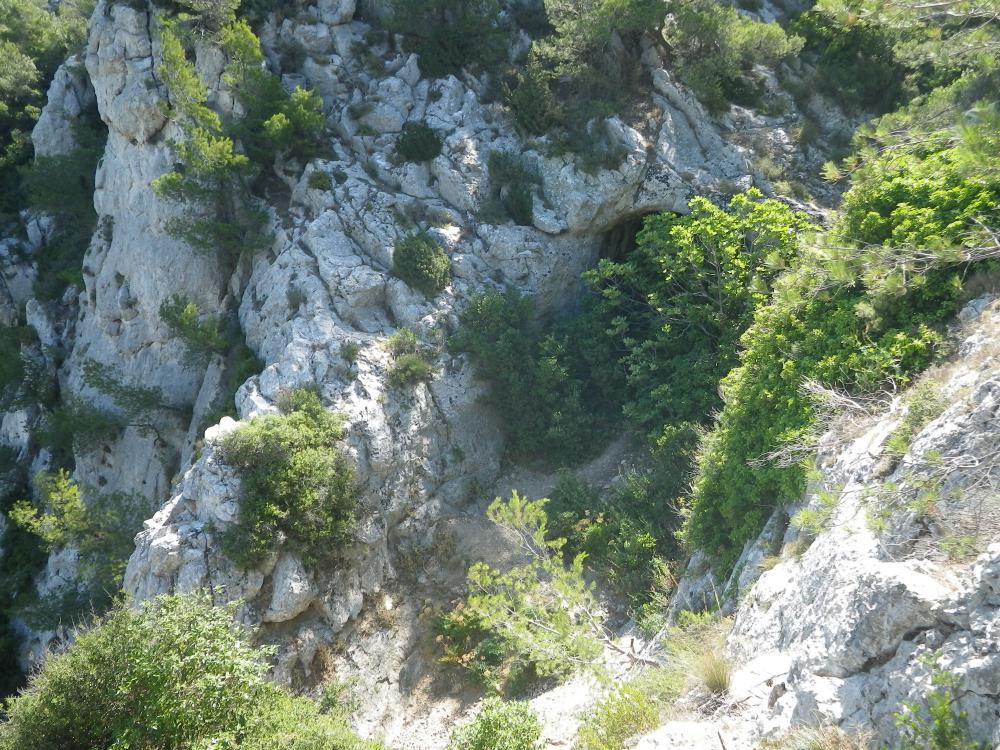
558	395
78	425
63	187
422	263
320	180
512	185
173	673
499	726
715	48
274	121
583	70
21	557
681	300
202	334
450	35
855	62
213	176
298	486
418	142
34	40
101	526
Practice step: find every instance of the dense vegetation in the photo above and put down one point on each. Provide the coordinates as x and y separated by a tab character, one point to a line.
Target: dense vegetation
175	673
702	336
297	485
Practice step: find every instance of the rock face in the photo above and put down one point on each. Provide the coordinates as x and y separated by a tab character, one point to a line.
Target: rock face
850	629
424	453
842	627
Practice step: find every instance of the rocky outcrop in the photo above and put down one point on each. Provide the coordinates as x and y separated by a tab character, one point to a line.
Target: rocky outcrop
848	630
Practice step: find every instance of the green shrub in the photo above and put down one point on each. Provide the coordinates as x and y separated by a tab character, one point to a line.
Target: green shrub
939	723
679	303
924	403
175	672
422	263
320	180
557	395
418	142
532	101
512	183
202	334
449	35
298	486
410	369
539	616
624	714
715	48
623	535
855	60
34	40
499	725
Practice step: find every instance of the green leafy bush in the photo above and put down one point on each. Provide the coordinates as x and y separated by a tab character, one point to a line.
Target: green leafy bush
855	61
34	40
450	35
409	369
558	393
320	180
499	725
512	185
418	142
924	403
939	723
715	48
680	301
298	486
175	672
422	263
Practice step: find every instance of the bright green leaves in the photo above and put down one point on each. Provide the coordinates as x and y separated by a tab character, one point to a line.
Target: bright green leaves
680	302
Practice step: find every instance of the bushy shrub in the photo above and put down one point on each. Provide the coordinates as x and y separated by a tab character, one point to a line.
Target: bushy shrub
539	617
512	184
625	713
422	263
418	142
558	393
680	301
175	672
924	403
320	180
624	536
34	40
410	369
855	61
450	35
939	723
297	485
715	48
499	725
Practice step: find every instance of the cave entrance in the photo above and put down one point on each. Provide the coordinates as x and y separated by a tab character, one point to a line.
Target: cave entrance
620	240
